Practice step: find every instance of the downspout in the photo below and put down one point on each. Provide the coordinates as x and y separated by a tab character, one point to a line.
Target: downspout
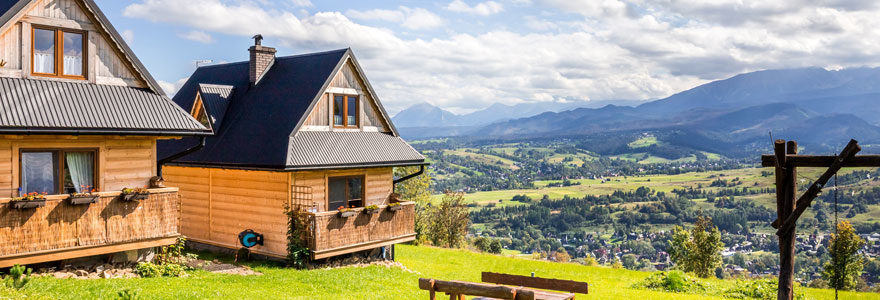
183	153
408	177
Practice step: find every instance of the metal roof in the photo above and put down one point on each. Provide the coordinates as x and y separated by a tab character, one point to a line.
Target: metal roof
321	149
55	107
259	129
216	99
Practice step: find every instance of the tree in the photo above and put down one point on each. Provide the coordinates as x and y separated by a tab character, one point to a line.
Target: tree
449	221
845	267
495	247
697	251
418	190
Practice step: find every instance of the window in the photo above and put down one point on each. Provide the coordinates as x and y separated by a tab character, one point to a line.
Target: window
345	111
345	192
58	171
58	53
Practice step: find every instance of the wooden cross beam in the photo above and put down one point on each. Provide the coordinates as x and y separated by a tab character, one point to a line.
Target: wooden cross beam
806	199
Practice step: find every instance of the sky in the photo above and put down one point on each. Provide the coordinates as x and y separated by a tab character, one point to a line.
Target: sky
464	55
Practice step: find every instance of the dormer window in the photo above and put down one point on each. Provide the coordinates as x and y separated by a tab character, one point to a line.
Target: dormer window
58	53
345	111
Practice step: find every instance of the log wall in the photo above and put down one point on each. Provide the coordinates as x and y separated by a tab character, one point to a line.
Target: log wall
122	161
334	235
218	204
378	187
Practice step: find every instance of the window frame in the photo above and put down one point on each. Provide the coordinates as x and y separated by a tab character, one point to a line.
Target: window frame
59	188
357	109
59	51
348	199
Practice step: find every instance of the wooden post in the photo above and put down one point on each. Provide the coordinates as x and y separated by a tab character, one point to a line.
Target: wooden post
787	239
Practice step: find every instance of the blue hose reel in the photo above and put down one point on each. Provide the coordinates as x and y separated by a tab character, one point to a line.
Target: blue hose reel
249	238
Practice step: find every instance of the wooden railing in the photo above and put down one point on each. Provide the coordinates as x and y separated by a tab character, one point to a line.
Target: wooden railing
60	230
334	235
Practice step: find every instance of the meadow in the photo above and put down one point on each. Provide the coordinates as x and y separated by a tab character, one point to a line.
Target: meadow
373	282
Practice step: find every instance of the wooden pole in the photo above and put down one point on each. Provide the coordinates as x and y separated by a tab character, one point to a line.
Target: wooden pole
787	239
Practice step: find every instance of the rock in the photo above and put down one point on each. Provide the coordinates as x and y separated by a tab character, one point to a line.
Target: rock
99	269
81	273
106	275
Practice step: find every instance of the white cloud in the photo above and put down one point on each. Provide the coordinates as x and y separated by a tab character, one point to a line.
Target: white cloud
198	36
302	3
128	36
637	49
171	88
410	18
483	8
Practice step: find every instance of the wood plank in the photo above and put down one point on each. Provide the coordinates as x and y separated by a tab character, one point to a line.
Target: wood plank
536	282
814	161
362	246
75	252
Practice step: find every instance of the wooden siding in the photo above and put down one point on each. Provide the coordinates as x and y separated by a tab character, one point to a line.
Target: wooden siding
60	226
378	187
106	64
123	162
218	204
334	235
10	50
346	79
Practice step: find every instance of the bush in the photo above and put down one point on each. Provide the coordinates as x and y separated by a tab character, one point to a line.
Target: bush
127	295
151	270
673	281
19	276
764	289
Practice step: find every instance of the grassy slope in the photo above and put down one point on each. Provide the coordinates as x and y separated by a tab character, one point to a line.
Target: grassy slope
367	283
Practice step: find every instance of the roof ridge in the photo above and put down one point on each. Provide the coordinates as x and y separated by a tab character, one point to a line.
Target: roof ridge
279	57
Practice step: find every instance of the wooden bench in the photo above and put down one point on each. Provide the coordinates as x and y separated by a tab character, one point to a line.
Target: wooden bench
505	286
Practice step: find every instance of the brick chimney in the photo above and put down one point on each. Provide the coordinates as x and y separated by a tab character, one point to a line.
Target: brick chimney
261	59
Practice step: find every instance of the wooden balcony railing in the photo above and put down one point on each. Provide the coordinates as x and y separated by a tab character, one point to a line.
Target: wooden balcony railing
334	235
60	230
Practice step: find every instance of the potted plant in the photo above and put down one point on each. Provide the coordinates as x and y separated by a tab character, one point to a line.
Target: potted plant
31	200
135	194
88	197
346	212
371	209
394	206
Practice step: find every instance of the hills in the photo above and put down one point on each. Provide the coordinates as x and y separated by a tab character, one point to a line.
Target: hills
820	108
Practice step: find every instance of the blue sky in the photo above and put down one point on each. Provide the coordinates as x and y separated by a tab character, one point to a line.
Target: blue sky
464	55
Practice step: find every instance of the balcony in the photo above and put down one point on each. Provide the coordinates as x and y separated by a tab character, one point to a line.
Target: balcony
334	235
60	230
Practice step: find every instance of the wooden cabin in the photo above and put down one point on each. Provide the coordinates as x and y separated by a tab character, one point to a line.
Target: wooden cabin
304	131
79	114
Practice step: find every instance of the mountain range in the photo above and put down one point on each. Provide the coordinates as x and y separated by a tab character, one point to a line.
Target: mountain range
819	108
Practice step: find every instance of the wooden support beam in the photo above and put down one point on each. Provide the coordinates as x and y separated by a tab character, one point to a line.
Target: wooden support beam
788	190
814	161
807	198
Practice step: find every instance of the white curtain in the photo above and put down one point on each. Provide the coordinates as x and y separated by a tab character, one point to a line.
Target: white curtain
44	63
81	166
38	172
73	65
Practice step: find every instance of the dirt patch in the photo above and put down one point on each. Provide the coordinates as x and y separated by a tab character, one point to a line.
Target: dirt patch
218	267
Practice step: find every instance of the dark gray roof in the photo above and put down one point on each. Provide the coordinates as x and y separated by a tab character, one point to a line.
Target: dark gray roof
260	120
216	100
323	149
54	107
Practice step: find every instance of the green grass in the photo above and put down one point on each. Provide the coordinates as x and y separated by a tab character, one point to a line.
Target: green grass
644	142
372	282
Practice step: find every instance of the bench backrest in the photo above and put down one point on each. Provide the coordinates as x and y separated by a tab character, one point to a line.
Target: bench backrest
537	282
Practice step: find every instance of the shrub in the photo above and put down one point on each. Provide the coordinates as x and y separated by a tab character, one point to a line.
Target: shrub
673	281
127	295
19	276
151	270
764	289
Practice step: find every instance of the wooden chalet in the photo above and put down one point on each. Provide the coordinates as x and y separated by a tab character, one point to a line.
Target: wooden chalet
304	131
79	114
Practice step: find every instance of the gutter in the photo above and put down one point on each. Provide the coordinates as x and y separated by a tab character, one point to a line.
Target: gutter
133	132
183	153
408	177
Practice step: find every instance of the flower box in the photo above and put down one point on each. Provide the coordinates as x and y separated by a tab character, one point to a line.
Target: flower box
346	214
28	204
372	209
135	196
83	199
394	207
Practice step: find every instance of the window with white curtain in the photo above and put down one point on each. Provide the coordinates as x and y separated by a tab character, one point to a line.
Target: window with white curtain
58	52
58	171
